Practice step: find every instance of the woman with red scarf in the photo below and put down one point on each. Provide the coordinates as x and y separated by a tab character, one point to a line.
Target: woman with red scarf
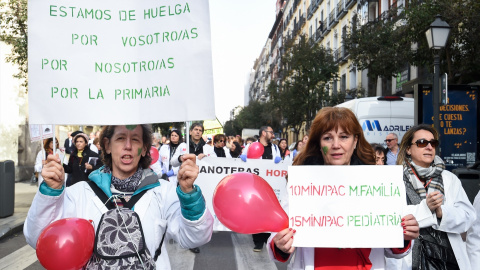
336	138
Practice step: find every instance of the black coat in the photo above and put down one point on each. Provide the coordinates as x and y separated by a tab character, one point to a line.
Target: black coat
199	150
76	166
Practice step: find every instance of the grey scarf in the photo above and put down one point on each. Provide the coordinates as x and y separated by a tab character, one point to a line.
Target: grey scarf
129	184
431	176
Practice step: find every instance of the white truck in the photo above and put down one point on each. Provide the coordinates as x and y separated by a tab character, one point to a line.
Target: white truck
249	132
380	116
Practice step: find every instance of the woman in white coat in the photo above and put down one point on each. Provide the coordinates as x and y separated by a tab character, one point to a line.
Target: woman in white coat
218	149
435	197
336	138
167	151
165	208
46	150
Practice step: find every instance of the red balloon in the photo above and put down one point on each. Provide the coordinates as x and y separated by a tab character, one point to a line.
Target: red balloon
66	244
154	154
246	203
255	150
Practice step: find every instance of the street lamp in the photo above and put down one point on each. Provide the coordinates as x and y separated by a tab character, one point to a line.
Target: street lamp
437	35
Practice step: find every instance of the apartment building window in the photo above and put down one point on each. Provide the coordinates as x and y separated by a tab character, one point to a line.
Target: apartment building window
343	83
353	78
311	33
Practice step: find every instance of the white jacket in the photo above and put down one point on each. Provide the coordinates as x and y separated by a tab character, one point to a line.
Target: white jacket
458	216
209	151
165	159
275	151
39	165
157	208
473	237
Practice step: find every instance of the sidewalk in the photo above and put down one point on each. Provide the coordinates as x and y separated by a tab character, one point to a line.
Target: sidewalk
24	193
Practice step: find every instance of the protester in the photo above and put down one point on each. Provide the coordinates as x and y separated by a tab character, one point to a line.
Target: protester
436	198
195	147
82	161
68	145
379	154
167	151
96	142
393	150
179	211
218	149
473	237
235	150
298	147
157	138
43	154
305	139
336	138
271	151
284	152
249	140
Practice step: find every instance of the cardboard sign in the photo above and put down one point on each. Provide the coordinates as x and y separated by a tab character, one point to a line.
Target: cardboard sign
213	170
119	62
346	206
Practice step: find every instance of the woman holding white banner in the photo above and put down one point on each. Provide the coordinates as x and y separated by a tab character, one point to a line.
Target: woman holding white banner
167	151
437	200
336	138
43	154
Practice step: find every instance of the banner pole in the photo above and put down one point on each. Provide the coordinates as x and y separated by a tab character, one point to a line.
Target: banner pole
54	143
187	135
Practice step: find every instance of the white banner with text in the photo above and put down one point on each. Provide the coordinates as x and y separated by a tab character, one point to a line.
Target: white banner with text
119	62
213	170
346	206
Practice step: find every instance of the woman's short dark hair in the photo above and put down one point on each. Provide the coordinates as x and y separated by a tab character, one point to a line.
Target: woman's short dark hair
218	137
107	133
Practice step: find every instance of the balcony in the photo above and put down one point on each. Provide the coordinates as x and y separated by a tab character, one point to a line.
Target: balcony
342	54
341	10
332	21
319	32
302	20
349	3
325	29
335	55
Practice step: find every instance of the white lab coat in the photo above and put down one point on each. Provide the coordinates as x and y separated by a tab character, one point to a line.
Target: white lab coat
473	237
39	165
165	159
209	151
458	217
158	208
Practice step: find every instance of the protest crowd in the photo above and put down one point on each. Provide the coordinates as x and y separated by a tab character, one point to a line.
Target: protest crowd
114	168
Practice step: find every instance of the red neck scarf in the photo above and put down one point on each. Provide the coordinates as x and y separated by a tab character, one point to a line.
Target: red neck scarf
342	259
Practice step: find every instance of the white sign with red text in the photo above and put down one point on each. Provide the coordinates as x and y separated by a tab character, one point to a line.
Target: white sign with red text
214	169
346	206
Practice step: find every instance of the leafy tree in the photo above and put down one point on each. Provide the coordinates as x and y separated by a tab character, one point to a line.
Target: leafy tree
462	51
383	47
13	25
378	46
307	70
232	128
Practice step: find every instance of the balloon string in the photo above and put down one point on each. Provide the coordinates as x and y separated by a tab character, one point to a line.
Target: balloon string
115	197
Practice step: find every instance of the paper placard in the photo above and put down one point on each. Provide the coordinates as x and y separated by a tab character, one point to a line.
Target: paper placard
40	132
119	62
346	206
214	169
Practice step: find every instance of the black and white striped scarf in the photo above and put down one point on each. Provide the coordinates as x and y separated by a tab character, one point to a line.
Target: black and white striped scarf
433	172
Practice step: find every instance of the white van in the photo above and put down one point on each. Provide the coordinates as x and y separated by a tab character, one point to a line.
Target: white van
380	116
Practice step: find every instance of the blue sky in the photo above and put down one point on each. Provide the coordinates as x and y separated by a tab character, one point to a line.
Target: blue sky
239	32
